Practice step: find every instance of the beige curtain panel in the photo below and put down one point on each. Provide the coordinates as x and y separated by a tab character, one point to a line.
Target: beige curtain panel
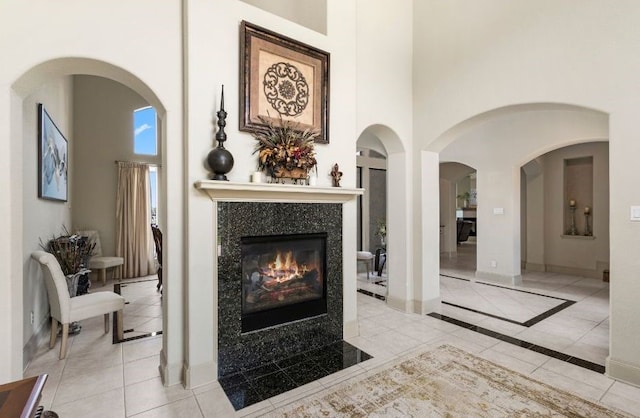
134	241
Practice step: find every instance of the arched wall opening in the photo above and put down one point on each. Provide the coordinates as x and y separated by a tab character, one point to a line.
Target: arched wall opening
497	143
508	147
385	141
21	91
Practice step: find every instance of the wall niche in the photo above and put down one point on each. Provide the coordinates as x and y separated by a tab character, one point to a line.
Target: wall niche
578	190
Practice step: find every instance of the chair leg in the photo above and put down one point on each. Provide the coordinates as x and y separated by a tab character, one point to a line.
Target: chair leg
106	323
63	346
103	276
119	331
54	332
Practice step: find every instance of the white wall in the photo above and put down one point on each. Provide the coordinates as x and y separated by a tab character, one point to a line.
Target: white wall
43	219
384	92
309	13
473	57
103	131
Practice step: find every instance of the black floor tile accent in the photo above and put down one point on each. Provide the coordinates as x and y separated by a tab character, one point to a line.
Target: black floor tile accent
303	373
273	384
524	344
255	385
242	396
373	295
233	380
547	314
529	322
261	371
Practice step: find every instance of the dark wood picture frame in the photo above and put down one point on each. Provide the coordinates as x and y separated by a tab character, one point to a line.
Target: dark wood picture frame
53	159
281	77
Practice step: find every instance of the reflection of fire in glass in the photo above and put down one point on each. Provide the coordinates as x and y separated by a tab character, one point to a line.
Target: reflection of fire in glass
281	271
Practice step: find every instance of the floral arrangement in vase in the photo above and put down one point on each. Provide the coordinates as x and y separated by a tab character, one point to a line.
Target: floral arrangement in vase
73	253
284	150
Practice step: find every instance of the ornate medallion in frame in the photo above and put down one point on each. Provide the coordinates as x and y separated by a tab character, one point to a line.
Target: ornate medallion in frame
281	78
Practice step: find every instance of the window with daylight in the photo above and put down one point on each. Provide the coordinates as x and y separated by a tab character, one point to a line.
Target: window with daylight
145	132
145	142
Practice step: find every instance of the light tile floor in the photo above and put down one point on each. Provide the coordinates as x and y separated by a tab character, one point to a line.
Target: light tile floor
143	311
100	379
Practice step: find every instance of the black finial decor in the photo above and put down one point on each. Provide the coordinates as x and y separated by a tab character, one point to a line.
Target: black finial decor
220	160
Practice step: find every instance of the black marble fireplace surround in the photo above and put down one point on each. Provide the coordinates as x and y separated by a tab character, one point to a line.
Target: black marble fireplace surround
238	351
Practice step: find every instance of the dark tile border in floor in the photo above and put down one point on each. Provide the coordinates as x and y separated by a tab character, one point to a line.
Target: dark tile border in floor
524	344
255	385
117	288
373	295
527	323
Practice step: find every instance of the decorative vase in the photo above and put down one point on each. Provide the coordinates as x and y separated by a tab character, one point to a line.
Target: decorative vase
219	159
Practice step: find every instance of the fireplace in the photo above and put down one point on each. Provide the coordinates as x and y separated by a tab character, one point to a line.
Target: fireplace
254	228
283	279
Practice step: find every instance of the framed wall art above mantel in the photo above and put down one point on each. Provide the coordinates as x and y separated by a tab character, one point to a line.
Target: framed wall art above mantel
282	79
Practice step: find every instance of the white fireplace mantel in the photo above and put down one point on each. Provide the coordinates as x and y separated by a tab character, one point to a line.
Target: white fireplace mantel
272	192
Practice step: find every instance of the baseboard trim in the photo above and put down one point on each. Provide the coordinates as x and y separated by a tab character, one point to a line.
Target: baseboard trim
535	267
38	339
575	271
499	278
397	303
426	306
169	374
200	375
626	372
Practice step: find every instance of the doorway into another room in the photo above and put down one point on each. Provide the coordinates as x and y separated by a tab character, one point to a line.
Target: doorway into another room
372	277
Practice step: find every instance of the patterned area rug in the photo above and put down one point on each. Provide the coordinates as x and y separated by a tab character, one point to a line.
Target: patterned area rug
444	382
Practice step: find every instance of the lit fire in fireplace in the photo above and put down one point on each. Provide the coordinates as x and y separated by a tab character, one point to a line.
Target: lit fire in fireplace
285	268
284	275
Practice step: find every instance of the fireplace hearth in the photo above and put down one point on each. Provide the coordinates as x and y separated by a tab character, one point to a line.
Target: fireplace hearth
283	279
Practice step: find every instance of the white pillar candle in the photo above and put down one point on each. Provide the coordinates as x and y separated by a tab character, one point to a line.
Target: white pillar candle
313	180
256	177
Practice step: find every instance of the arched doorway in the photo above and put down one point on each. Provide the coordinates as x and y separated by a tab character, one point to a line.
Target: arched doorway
56	77
505	146
383	141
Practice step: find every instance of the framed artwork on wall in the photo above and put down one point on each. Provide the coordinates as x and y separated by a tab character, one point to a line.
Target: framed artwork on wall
53	159
282	79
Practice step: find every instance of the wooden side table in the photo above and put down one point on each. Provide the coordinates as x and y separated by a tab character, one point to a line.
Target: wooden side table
21	398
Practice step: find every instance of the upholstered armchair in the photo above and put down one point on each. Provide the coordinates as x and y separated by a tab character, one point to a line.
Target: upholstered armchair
65	309
98	261
367	258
